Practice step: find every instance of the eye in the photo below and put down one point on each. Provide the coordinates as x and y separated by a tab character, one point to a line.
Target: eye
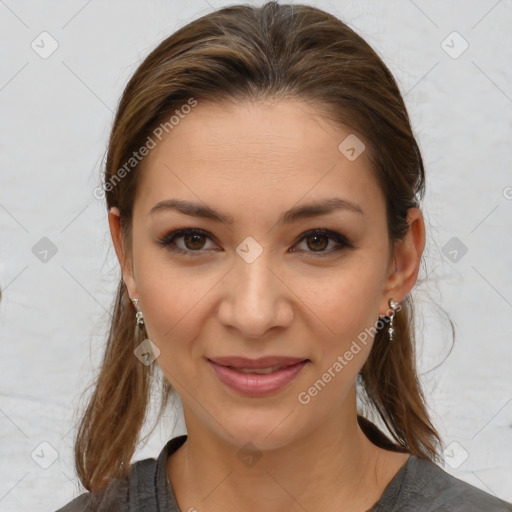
318	240
193	241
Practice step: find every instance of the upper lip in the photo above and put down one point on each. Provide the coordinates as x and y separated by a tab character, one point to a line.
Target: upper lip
262	362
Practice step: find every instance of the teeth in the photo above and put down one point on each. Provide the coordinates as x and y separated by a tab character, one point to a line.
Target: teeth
257	370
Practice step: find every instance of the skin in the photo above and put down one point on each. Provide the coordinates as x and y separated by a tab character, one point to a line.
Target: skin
253	162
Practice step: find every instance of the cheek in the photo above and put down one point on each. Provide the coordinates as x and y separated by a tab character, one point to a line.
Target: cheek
344	300
173	300
171	309
345	310
171	317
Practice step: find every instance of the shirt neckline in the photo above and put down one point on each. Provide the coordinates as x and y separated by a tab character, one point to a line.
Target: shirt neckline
167	500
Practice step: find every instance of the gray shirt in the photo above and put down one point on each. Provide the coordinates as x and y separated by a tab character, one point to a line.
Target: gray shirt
419	485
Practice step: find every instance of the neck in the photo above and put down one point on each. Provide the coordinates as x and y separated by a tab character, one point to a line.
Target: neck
334	467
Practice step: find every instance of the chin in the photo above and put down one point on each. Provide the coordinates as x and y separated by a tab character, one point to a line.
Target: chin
266	430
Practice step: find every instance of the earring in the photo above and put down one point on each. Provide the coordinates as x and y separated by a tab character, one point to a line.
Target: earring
393	305
139	316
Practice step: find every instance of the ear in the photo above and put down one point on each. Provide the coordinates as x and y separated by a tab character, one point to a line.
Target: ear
114	221
405	263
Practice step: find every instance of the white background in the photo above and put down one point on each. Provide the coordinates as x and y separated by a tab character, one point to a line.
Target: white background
56	115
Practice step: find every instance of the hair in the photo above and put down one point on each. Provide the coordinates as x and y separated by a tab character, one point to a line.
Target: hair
246	53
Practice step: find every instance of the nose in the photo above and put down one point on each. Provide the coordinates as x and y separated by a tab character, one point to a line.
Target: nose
255	298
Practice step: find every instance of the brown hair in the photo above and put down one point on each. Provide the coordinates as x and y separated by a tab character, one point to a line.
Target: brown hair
253	53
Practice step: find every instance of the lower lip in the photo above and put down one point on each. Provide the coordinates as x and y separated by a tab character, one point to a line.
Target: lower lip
257	384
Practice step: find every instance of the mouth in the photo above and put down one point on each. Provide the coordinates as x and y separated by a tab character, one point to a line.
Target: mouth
259	371
257	377
263	363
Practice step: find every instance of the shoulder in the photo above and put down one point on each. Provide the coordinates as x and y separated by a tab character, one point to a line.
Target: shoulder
428	487
113	497
136	489
145	488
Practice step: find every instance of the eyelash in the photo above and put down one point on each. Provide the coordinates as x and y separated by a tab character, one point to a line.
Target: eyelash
168	241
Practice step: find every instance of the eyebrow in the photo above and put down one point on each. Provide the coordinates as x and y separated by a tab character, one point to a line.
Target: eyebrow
314	209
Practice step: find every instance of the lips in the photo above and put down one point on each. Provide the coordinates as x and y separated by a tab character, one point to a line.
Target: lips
257	377
263	363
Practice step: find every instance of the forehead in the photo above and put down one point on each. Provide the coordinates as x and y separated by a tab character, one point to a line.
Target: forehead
248	128
264	152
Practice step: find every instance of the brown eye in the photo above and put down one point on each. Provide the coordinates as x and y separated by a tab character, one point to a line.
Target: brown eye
317	242
194	241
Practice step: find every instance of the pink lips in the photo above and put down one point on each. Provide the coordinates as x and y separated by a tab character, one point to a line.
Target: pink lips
283	370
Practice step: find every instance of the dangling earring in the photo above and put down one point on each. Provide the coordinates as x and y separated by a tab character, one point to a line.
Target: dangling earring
394	306
139	316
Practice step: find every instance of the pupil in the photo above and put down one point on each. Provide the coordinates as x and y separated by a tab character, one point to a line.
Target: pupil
316	237
194	237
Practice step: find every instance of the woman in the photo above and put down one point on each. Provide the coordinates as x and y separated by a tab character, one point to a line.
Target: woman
263	188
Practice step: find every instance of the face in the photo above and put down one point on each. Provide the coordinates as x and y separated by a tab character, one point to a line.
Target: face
270	277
